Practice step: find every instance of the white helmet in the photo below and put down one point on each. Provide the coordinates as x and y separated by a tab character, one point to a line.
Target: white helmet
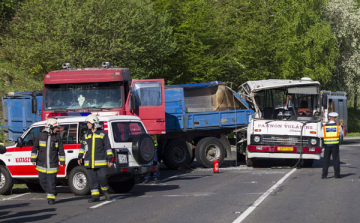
51	123
93	119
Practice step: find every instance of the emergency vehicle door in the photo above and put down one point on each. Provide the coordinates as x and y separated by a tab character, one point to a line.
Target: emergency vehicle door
149	98
22	156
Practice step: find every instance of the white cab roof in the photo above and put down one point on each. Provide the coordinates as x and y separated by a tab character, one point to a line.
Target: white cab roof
277	83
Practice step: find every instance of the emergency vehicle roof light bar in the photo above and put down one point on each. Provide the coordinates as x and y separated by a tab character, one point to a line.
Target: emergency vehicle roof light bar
105	65
66	66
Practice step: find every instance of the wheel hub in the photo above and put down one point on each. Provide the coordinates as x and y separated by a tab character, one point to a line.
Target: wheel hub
212	152
178	155
2	181
79	181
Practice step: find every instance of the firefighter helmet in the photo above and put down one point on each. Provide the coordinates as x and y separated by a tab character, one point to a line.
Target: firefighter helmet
93	119
51	123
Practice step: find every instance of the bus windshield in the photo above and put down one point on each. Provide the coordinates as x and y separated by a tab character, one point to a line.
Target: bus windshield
76	96
289	103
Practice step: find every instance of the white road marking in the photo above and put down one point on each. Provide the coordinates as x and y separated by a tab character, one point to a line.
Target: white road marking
107	202
262	198
169	178
10	198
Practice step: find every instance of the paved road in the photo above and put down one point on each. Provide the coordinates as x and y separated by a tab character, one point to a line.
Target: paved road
268	193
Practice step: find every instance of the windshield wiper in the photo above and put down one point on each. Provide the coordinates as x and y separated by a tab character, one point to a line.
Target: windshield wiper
94	108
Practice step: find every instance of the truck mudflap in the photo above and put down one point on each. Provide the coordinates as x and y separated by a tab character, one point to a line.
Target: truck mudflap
118	170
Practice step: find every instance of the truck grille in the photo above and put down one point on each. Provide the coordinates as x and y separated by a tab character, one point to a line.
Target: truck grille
290	141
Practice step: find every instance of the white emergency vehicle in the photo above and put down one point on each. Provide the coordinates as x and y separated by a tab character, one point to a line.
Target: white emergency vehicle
133	151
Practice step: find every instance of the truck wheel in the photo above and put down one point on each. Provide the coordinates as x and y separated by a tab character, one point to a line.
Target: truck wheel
6	182
143	149
177	154
79	181
34	187
308	163
123	186
207	150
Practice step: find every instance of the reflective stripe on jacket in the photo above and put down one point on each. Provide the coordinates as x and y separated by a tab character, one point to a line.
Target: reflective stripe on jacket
47	152
331	133
155	140
98	149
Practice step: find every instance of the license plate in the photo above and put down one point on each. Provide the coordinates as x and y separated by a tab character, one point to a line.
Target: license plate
285	149
122	158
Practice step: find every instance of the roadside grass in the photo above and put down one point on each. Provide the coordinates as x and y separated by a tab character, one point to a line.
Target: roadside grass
353	134
17	189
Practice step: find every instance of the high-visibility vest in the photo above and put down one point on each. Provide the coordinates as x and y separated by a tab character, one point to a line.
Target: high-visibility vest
331	133
155	140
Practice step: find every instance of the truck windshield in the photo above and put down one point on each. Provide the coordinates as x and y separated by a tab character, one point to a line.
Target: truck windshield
102	95
288	103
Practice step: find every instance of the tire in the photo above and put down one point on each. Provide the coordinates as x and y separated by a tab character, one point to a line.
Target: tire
123	186
308	163
177	154
207	150
34	187
79	181
143	149
6	181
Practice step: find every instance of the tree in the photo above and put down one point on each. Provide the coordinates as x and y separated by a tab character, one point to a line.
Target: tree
7	10
345	18
127	33
236	41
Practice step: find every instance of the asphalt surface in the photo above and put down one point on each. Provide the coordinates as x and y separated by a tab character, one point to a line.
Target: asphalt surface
270	192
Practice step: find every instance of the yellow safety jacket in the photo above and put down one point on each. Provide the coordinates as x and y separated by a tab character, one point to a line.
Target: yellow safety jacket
331	133
98	149
155	140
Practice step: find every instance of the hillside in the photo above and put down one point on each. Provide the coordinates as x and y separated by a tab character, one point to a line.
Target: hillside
13	79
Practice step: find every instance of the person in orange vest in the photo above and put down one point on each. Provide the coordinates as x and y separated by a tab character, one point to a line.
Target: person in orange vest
331	133
156	174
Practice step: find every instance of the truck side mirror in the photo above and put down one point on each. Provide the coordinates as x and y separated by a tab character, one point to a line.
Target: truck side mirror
34	105
19	142
132	103
324	101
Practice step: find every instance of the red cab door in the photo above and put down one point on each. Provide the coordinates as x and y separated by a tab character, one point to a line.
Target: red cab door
149	106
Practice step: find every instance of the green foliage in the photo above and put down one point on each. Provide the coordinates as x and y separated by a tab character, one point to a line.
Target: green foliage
12	79
353	120
127	33
236	41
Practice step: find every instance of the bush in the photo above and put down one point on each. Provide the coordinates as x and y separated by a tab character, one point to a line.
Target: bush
353	120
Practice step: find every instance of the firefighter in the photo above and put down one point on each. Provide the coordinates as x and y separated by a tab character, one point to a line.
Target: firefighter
331	133
156	174
2	147
98	157
45	154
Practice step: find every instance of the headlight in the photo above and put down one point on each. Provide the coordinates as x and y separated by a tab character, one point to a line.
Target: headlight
257	139
313	141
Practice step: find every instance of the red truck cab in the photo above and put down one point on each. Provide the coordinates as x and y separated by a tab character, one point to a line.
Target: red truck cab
104	91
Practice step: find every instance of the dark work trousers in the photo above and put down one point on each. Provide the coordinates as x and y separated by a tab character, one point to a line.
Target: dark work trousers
98	178
48	184
333	151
